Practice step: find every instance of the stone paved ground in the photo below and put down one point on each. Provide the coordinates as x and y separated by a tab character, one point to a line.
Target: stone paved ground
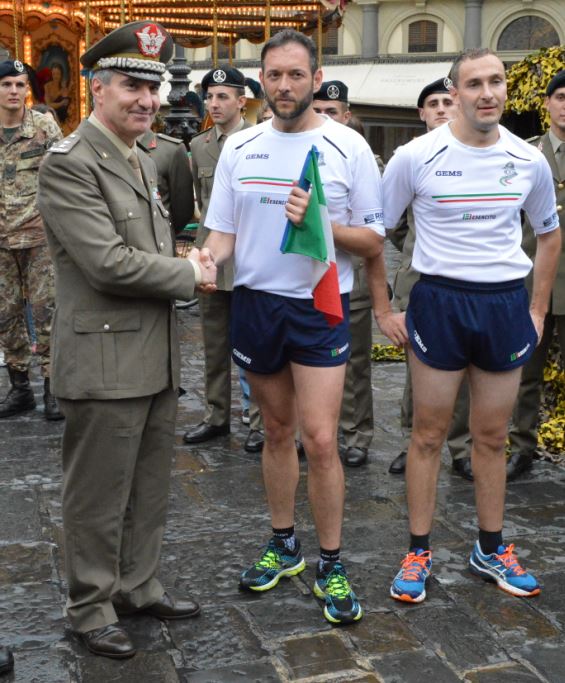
465	631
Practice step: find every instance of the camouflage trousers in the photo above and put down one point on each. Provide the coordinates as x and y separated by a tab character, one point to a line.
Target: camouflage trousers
26	275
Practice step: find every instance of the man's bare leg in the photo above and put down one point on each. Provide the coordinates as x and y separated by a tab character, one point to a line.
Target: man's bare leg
275	397
434	394
493	395
319	392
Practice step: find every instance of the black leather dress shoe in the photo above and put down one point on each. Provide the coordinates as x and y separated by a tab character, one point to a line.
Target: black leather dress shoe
6	660
204	432
462	467
171	608
254	442
517	464
355	457
398	465
109	641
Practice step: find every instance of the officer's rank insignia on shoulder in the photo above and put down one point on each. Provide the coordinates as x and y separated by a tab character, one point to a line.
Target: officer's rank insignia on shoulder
170	138
66	144
206	130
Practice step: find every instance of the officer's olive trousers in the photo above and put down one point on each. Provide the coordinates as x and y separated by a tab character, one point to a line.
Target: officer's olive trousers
215	313
116	470
356	420
524	430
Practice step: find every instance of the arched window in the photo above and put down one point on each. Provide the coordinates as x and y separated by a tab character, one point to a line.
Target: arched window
329	40
422	36
528	33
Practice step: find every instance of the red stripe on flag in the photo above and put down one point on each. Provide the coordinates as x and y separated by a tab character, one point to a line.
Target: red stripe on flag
327	299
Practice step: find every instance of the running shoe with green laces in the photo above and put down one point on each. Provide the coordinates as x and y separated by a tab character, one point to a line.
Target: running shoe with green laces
277	561
332	586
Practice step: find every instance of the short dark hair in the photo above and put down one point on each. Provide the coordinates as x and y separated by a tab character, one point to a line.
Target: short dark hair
472	53
289	35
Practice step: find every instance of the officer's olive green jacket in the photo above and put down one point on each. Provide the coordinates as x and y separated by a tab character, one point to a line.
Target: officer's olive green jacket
114	330
529	239
205	152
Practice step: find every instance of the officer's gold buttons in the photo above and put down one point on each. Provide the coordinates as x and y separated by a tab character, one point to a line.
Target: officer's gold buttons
559	207
130	214
106	327
104	155
560	186
161	246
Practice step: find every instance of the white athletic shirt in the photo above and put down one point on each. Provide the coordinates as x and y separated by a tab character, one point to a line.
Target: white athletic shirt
467	202
253	178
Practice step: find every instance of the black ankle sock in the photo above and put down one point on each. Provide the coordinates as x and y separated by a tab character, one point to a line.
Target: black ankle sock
329	555
489	541
422	542
287	536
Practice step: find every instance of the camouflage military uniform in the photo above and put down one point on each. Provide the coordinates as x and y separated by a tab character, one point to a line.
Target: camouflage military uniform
25	267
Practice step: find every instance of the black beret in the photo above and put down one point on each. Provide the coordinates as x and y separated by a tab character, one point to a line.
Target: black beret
558	81
140	49
441	85
12	68
335	91
223	75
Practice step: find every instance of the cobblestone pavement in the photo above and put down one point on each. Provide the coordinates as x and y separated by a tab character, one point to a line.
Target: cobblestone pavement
465	631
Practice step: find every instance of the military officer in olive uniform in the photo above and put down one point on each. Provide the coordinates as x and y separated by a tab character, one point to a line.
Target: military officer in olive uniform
435	107
356	420
174	177
224	93
524	433
26	273
115	348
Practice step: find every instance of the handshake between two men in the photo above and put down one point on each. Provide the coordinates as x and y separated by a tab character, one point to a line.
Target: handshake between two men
208	271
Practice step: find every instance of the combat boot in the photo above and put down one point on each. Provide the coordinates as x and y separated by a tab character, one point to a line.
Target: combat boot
52	411
20	397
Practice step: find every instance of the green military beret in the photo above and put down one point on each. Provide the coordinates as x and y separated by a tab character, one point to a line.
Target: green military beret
140	49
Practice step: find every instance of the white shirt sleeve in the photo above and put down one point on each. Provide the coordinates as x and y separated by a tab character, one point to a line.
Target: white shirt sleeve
398	186
221	210
366	193
540	204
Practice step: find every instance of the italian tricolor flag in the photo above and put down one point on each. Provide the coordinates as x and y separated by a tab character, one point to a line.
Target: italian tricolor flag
314	238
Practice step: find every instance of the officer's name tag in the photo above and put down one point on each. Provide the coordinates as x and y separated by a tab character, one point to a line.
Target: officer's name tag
35	152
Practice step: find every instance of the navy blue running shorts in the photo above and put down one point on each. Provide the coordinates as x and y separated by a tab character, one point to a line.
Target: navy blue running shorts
453	323
268	331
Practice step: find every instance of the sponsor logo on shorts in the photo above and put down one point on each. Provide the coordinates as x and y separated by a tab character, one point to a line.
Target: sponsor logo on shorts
375	217
270	200
449	173
242	357
519	354
509	173
478	216
420	343
552	220
257	156
337	352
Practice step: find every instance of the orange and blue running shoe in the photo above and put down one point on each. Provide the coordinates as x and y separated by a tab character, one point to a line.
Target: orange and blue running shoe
503	569
409	584
275	562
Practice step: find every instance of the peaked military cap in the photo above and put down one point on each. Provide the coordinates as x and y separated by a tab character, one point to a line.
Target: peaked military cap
140	49
12	67
558	81
333	91
441	85
223	75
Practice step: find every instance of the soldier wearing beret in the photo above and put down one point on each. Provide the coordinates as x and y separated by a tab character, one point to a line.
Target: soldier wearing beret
116	356
25	267
524	432
356	420
224	93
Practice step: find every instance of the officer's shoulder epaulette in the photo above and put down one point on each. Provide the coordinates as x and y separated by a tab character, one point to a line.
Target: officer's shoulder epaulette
169	138
533	139
65	145
206	130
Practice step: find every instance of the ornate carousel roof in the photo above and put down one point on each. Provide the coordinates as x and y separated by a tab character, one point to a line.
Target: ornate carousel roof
192	23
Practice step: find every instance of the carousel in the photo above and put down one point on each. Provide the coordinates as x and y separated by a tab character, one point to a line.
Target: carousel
50	36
